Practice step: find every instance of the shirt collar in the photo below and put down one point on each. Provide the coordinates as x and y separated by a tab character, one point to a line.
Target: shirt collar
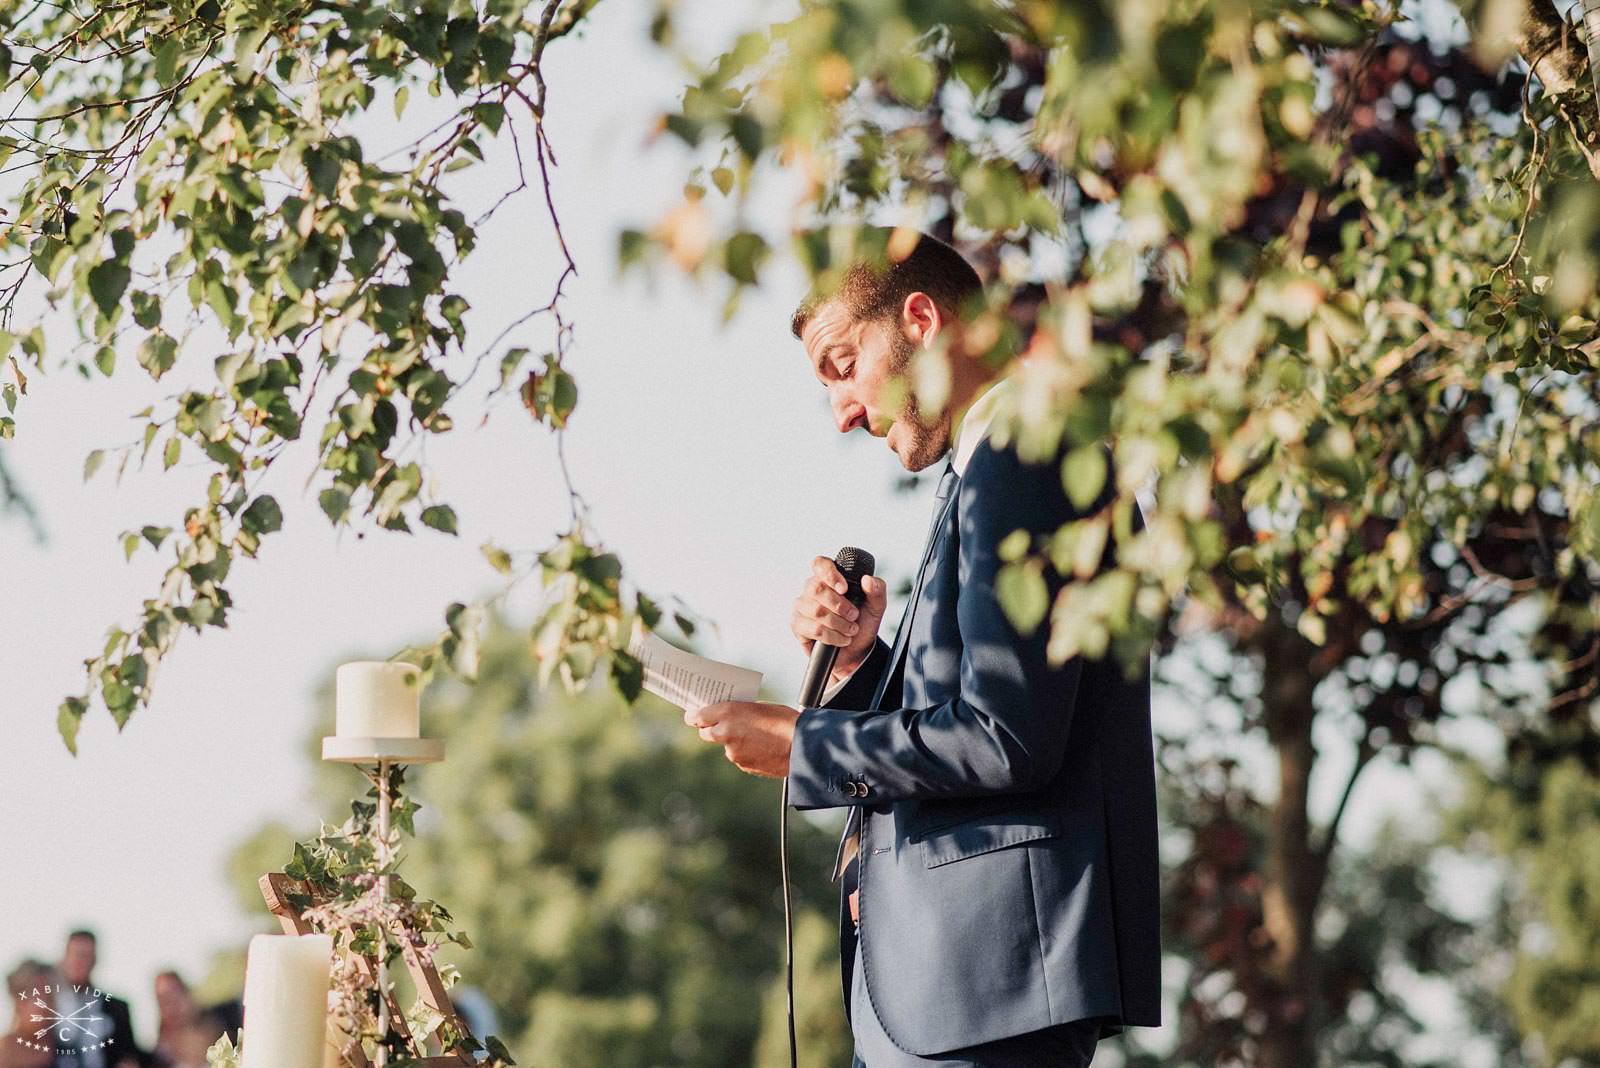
973	426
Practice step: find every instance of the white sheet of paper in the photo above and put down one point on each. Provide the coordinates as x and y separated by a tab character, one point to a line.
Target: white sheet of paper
691	681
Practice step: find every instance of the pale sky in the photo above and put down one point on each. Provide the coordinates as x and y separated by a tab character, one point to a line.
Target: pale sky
707	454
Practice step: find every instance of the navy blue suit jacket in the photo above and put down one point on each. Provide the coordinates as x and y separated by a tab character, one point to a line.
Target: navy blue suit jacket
1008	866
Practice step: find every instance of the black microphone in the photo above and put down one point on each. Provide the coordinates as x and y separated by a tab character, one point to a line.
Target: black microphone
854	564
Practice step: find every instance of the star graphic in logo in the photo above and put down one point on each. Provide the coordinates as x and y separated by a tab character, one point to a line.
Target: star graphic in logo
68	1026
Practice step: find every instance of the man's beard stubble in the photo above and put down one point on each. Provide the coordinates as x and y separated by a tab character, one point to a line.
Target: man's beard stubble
928	443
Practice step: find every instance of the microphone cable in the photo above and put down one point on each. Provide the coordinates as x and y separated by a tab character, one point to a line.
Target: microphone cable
854	564
788	920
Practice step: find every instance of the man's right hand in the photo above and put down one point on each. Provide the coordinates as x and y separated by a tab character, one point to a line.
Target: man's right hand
821	613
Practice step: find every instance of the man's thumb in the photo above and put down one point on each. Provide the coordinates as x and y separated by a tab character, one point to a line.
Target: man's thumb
877	592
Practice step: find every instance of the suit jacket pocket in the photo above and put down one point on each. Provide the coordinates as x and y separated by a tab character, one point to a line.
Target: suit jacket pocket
987	832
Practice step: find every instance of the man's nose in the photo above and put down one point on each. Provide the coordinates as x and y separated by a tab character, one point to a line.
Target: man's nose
849	417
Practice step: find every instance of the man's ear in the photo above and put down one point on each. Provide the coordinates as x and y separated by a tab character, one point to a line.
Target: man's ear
920	317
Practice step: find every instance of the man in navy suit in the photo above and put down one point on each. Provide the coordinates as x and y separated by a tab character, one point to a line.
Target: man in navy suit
1000	886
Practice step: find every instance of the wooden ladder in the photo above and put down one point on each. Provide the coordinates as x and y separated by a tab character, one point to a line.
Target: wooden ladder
278	889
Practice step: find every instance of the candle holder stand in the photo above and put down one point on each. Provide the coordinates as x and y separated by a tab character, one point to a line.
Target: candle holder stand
375	757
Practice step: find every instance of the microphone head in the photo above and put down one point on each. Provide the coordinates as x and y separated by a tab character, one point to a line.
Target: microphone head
854	564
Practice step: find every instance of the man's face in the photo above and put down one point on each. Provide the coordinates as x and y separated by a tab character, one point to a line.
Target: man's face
78	961
856	360
171	997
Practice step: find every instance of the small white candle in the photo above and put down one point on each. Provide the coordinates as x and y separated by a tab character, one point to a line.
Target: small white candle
378	699
286	980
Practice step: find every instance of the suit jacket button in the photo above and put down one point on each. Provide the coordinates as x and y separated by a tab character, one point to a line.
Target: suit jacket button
861	789
850	788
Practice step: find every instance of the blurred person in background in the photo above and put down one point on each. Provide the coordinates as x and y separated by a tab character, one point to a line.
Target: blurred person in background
187	1028
27	985
102	1035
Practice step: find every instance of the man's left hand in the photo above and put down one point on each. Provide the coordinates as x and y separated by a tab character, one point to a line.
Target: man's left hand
755	735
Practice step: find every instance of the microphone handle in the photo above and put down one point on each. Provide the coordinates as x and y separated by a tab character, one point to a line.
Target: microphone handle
818	671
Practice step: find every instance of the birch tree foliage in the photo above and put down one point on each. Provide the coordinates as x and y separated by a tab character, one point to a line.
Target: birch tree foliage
1347	371
1345	330
179	167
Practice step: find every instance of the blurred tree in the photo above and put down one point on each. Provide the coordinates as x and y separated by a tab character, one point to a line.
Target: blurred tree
1539	814
618	878
820	1031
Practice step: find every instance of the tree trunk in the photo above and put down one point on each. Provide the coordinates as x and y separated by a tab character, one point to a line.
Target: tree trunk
1293	877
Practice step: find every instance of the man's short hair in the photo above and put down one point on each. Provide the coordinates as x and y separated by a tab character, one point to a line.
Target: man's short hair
875	286
81	932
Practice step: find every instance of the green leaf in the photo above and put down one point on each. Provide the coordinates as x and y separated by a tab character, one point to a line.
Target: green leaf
263	516
322	167
440	517
167	54
169	455
1083	473
68	718
627	672
462	645
498	1050
551	396
743	256
49	255
146	309
498	558
158	353
1023	595
107	282
631	247
91	463
1014	546
335	504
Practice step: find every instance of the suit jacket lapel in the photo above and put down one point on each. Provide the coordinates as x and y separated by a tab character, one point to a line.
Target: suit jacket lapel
943	496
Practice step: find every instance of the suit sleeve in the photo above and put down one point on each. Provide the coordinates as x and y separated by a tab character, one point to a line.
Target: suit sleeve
123	1044
1006	730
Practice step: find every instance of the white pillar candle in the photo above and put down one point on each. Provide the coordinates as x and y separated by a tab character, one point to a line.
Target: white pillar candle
286	980
378	699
